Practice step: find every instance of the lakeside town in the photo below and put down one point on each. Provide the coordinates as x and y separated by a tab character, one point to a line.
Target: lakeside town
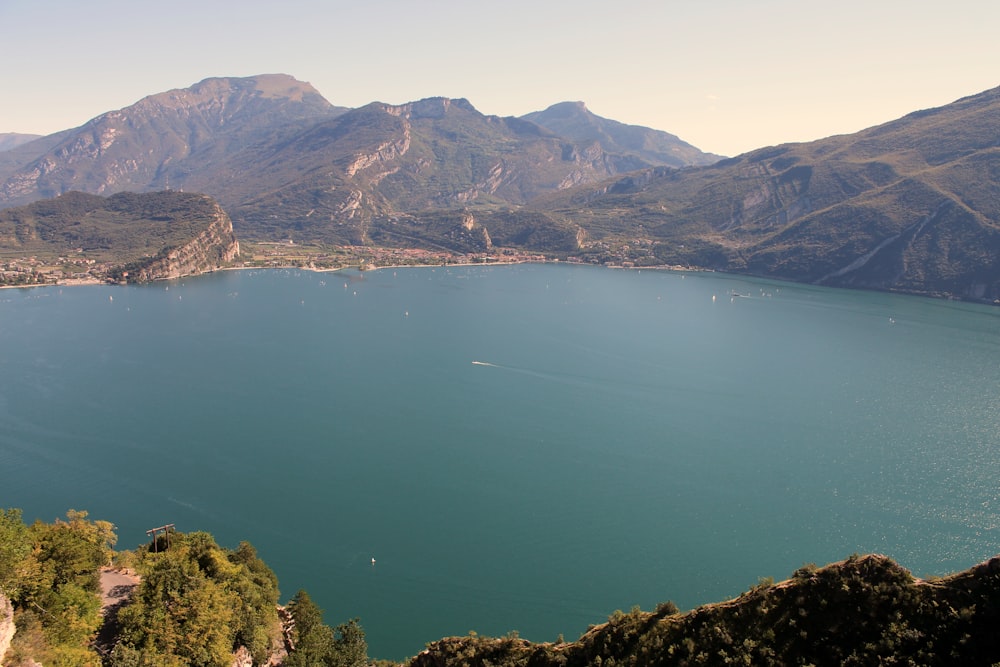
69	270
79	269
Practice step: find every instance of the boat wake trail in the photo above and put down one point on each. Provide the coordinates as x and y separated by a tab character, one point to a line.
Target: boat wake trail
551	377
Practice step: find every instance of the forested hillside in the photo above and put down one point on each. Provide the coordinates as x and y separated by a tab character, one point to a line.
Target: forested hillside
127	237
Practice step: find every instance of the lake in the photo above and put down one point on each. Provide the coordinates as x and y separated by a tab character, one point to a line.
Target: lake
525	447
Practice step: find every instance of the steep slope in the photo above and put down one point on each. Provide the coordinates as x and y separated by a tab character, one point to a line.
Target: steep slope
287	164
356	176
866	610
574	120
912	205
167	140
20	155
130	237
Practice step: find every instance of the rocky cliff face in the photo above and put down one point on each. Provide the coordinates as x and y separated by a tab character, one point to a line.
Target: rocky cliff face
425	159
208	251
285	163
6	625
169	139
127	237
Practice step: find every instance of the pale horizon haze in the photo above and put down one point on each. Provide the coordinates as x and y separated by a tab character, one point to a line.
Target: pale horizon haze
723	75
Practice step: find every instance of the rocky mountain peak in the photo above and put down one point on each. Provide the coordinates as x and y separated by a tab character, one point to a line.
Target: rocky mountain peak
219	99
430	107
574	120
140	146
567	110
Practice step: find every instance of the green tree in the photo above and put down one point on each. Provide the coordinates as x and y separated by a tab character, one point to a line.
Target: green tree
315	643
67	554
179	613
58	609
15	547
257	590
197	603
311	639
350	647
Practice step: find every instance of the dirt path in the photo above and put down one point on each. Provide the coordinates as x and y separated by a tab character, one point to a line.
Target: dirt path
116	587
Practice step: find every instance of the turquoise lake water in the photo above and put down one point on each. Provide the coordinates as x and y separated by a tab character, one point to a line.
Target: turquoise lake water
628	437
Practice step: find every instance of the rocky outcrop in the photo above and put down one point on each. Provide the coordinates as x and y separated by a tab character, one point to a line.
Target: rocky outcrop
127	237
6	625
209	251
170	139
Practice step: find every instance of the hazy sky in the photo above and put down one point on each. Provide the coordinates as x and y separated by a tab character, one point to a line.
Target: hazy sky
725	75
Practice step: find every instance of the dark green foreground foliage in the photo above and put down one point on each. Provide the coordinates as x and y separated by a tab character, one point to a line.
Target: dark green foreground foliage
864	611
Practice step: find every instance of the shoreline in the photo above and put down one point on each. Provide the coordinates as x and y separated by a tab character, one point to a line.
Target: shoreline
78	282
322	258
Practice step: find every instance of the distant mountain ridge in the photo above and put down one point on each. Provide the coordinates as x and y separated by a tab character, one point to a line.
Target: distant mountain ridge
271	148
911	205
358	172
9	140
575	121
172	136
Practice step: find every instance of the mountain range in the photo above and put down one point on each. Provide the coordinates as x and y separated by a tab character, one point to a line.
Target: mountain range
912	205
10	140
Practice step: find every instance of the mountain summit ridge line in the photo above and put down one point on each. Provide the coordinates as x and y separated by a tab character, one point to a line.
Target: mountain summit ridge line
910	205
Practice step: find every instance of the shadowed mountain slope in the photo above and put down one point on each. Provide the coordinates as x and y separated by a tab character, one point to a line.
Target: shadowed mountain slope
574	120
912	205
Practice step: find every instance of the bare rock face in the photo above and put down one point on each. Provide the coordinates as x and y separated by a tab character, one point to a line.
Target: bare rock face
132	237
6	625
210	250
167	139
242	658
